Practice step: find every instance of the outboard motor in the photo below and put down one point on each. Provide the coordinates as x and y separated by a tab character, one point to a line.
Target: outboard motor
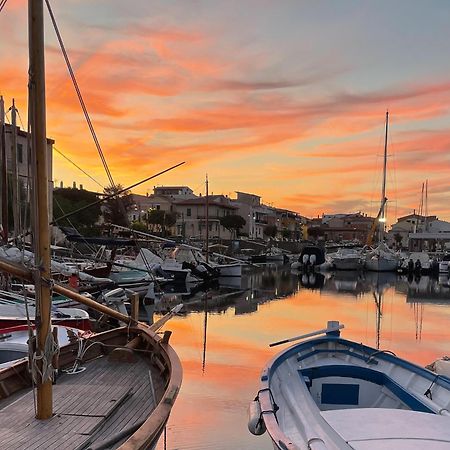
116	299
305	259
312	260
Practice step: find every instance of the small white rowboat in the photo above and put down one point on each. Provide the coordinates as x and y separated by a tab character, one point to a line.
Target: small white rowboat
331	393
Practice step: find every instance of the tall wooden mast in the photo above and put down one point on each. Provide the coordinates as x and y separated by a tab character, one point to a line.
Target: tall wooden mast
207	220
41	233
4	172
383	186
15	172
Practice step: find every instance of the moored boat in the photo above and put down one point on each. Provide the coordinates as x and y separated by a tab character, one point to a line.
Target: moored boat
382	259
332	393
348	259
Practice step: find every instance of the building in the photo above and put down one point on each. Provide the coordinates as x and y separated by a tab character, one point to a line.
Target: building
398	235
21	156
256	215
191	217
434	236
289	224
175	192
163	198
341	227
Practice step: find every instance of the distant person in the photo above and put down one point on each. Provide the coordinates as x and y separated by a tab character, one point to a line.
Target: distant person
418	266
410	266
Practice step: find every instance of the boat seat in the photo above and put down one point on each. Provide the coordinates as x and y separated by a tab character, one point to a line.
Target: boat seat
389	429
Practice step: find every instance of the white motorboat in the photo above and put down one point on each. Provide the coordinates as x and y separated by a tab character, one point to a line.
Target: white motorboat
347	259
331	393
14	311
14	342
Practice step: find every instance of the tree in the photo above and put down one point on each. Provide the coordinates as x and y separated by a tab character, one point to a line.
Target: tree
286	233
115	208
66	200
233	223
139	226
398	239
315	232
270	231
161	219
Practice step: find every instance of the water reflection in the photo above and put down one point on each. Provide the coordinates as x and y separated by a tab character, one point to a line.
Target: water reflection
243	293
223	335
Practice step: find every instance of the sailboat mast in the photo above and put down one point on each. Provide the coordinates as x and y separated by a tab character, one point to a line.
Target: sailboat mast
383	186
40	191
426	206
207	220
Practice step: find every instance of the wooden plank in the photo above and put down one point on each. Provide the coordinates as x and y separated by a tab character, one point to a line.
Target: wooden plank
90	400
90	406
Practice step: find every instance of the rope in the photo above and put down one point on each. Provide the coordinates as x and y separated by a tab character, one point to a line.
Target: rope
428	393
78	167
31	342
79	95
51	348
2	4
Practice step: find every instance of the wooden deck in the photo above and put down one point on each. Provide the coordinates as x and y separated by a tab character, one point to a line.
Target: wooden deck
88	407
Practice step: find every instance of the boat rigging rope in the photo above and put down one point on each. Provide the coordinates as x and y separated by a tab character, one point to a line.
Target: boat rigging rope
31	340
2	4
47	372
42	364
78	167
79	95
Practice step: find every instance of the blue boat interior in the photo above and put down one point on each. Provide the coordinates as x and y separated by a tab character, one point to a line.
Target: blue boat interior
350	386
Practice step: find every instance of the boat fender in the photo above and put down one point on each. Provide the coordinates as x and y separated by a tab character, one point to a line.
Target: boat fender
256	423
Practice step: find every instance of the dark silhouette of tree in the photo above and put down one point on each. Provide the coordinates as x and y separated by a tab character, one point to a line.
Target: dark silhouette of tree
270	231
115	208
139	226
398	239
315	232
233	223
66	200
161	220
286	233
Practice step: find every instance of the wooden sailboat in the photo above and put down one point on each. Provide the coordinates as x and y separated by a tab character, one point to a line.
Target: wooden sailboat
115	389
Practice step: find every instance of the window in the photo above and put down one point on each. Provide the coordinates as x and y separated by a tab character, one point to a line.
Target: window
20	153
158	207
188	212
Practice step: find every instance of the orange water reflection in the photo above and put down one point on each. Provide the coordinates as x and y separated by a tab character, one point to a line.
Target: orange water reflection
211	411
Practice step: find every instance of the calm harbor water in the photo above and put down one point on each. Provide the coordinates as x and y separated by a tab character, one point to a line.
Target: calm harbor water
222	339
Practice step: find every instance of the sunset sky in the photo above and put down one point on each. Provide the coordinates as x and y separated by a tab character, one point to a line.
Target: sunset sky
284	99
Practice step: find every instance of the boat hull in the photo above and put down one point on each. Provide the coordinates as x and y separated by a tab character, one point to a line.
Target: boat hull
347	264
81	324
229	270
322	386
381	265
